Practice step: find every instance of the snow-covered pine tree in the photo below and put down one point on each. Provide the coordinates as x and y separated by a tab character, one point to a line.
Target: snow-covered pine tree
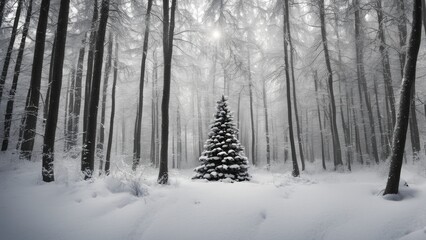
223	156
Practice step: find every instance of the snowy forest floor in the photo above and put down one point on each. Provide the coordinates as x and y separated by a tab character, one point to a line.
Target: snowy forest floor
274	205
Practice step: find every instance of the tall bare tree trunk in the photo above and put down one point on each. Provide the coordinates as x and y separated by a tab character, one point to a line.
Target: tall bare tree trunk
178	138
23	119
157	114
2	5
319	120
239	112
112	116
12	92
346	128
100	145
295	171
342	79
379	116
31	108
153	120
138	130
168	33
199	122
46	101
69	111
89	71
77	95
335	134
66	118
293	82
89	146
123	134
268	144
409	77
414	129
387	77
253	133
10	47
52	120
402	32
186	143
362	80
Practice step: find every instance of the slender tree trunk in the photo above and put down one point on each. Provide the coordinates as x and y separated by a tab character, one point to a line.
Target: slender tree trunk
409	77
77	96
346	129
89	72
112	116
123	135
69	111
214	73
286	145
173	150
358	147
2	5
362	80
168	33
195	143
153	122
253	134
52	120
179	138
275	137
293	81
387	77
31	109
414	129
424	27
200	125
379	116
186	144
101	141
414	132
345	124
89	146
157	115
402	32
138	130
11	99
23	119
239	112
335	137
295	171
265	107
46	99
66	118
319	121
389	125
10	48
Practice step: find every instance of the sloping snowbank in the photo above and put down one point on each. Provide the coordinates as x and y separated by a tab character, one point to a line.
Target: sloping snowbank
318	205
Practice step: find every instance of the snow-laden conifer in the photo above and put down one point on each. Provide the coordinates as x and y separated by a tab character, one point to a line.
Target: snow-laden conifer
223	156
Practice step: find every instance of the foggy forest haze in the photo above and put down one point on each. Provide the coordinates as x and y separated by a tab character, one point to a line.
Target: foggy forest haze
292	119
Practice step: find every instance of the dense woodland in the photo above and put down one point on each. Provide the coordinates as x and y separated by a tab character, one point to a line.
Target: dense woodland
307	81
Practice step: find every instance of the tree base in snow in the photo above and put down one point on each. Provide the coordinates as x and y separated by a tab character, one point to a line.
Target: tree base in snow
223	177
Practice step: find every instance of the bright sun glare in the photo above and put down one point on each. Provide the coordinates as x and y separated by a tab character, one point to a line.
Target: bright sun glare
216	34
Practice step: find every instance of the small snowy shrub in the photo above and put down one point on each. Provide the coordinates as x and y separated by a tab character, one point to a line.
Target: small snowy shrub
127	181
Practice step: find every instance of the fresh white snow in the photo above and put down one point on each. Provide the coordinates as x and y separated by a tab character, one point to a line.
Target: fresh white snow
318	205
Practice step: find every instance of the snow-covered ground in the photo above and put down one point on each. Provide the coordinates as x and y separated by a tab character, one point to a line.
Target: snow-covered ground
318	205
